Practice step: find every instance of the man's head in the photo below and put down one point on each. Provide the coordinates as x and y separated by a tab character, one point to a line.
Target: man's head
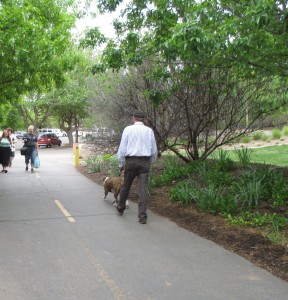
30	129
139	116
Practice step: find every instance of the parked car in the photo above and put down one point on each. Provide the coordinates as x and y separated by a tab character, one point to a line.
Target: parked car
50	130
49	140
19	134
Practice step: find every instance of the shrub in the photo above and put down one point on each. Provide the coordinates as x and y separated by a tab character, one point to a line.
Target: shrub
172	162
276	134
172	173
222	160
184	192
249	189
106	163
93	164
247	218
257	135
265	137
217	177
285	130
244	155
246	139
213	200
109	164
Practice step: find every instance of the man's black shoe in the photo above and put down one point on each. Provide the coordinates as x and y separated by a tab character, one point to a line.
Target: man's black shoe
142	221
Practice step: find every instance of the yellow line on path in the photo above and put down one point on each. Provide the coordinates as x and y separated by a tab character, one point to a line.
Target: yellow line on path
116	291
65	212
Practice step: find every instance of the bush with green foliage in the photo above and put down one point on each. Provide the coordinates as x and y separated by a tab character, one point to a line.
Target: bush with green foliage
276	134
213	199
244	155
222	160
257	135
174	169
285	130
245	139
106	163
185	192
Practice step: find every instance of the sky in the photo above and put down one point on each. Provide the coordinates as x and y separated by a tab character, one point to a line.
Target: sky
104	22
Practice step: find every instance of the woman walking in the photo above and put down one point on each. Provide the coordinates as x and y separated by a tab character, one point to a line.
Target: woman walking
30	141
5	150
13	139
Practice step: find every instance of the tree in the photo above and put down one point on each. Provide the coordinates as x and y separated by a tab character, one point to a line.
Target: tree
11	117
35	45
70	103
34	109
211	60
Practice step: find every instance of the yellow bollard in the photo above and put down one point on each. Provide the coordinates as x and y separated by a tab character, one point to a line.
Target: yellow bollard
76	155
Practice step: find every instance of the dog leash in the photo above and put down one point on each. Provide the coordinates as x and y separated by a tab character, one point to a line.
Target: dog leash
120	171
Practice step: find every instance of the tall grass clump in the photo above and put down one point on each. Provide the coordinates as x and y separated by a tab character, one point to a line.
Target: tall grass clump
174	169
106	163
244	155
257	135
285	130
185	192
172	162
212	199
265	137
222	160
249	189
109	164
246	139
276	134
93	164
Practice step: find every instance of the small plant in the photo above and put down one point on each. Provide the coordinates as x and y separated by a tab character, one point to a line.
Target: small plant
109	164
247	218
246	139
276	134
277	222
184	192
222	160
265	137
244	155
93	164
285	130
257	135
171	162
249	189
173	173
211	199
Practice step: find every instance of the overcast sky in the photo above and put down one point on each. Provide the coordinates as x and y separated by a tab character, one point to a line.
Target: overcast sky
104	22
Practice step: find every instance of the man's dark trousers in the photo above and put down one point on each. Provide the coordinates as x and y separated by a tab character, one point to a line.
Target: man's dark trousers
136	166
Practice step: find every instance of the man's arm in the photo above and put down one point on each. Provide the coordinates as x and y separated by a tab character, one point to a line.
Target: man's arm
154	149
122	150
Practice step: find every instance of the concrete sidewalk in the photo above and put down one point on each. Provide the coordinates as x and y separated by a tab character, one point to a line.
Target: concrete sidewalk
100	255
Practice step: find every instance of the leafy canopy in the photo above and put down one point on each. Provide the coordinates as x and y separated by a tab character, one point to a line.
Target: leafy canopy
34	45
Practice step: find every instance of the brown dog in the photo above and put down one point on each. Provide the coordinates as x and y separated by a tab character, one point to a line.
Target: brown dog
113	185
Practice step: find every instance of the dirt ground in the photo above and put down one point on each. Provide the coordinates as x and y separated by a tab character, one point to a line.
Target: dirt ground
247	242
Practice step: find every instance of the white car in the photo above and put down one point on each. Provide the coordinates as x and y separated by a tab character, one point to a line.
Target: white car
57	131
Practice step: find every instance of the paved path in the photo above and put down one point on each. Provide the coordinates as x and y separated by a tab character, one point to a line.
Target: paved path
92	253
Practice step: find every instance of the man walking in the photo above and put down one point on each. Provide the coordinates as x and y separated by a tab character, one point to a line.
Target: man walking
137	150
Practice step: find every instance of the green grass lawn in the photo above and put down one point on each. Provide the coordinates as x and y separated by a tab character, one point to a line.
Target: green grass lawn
274	155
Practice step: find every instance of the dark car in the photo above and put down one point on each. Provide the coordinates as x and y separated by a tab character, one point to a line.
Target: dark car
49	140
